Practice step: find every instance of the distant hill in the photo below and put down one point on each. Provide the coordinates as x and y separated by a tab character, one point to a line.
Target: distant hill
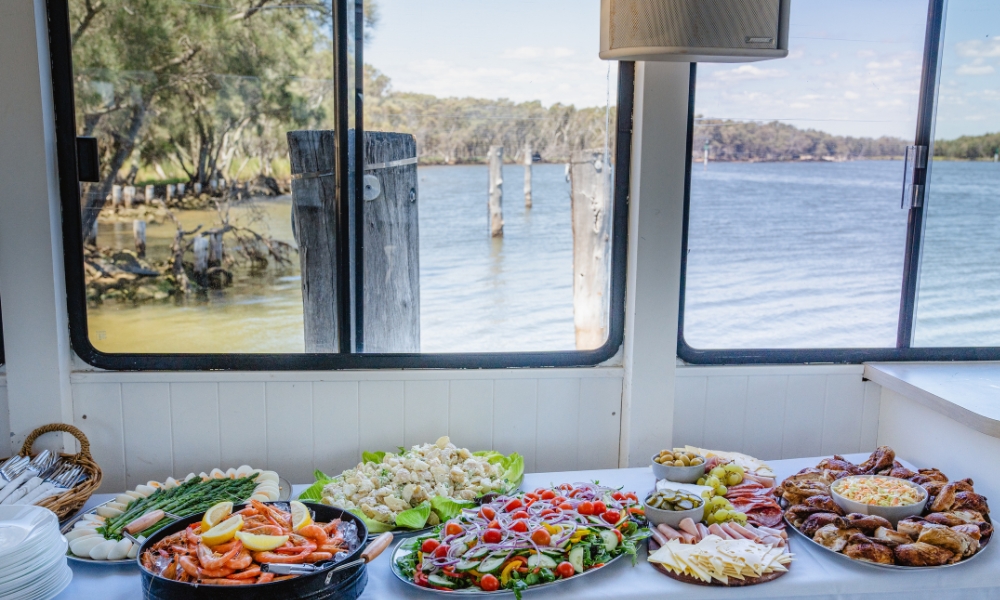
775	141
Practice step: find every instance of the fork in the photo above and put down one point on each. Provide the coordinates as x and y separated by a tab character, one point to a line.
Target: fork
62	479
15	490
11	468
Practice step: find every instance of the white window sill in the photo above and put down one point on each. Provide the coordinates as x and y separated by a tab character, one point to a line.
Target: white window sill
965	392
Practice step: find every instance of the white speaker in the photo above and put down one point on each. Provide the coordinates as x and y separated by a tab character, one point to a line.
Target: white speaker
694	30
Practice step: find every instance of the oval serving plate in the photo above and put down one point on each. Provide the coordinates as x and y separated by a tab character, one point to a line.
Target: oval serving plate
399	550
982	548
653	546
68	527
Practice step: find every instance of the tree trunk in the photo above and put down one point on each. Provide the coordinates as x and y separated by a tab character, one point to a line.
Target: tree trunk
96	195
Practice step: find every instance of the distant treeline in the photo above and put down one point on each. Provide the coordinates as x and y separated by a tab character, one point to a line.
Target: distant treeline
461	130
751	141
967	147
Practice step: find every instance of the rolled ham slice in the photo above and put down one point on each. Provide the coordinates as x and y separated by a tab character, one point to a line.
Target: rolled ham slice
668	532
689	526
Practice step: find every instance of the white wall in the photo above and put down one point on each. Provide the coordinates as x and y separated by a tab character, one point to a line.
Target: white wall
4	418
776	412
148	425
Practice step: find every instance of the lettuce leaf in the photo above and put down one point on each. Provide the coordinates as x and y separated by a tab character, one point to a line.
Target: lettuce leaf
375	457
372	525
447	508
415	518
314	493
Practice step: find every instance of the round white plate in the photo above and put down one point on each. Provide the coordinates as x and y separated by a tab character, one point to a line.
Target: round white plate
19	524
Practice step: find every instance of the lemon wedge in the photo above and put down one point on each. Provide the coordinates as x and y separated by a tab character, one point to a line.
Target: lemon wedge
261	543
216	515
301	516
223	532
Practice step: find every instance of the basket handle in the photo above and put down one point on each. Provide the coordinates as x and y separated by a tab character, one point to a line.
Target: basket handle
70	429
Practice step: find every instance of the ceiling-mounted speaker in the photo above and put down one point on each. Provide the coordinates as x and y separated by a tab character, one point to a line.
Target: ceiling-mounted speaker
694	30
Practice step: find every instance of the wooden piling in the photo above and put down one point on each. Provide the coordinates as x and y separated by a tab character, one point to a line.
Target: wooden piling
149	194
213	184
197	189
314	216
215	249
391	311
495	158
168	195
116	196
181	188
201	254
139	236
527	175
128	196
590	192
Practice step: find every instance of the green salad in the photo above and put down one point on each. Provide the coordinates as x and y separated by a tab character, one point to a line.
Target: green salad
420	487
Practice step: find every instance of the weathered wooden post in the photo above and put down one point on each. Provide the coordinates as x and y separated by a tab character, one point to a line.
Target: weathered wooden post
213	184
197	188
181	188
215	249
169	194
314	191
590	199
139	236
116	196
495	158
150	193
527	175
200	254
128	195
392	258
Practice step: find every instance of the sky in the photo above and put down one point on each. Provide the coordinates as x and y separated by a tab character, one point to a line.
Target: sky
853	68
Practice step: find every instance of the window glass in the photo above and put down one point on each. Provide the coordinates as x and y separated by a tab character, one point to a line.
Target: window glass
958	294
795	233
466	78
190	245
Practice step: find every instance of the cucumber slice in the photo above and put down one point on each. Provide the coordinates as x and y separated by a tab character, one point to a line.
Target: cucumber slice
466	565
541	560
479	552
576	559
492	564
441	581
610	540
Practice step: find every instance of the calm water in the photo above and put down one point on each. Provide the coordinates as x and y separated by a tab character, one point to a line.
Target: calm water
793	255
781	255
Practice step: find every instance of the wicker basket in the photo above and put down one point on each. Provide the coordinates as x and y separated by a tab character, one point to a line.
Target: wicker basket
69	502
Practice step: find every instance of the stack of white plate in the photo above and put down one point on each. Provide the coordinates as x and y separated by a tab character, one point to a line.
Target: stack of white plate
32	554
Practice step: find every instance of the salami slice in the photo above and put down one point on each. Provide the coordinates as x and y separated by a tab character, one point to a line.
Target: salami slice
766	516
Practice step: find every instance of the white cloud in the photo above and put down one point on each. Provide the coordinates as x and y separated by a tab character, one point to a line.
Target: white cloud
536	52
798	105
748	72
974	69
892	64
851	95
866	54
979	48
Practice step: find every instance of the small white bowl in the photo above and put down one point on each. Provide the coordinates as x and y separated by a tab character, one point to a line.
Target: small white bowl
893	514
672	518
678	474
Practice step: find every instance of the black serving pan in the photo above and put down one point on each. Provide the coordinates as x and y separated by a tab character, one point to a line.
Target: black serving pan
325	584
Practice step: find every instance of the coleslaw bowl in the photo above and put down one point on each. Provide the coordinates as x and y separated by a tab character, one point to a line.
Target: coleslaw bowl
893	514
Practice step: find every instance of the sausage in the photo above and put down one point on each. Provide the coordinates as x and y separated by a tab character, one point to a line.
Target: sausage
145	521
668	532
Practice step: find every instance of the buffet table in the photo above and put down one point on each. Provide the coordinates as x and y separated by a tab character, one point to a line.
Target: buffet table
814	574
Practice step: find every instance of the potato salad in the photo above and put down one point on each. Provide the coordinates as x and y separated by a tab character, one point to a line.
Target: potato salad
383	489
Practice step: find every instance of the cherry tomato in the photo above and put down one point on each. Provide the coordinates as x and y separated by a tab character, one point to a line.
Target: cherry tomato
519	515
494	524
558	500
565	569
573	493
548	495
487	513
541	537
531	496
452	529
566	506
529	503
619	534
519	526
611	516
549	511
441	551
429	545
618	496
513	505
599	507
585	508
565	486
492	536
489	583
631	496
539	491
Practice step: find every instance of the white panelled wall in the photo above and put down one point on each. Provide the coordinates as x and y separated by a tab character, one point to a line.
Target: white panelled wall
774	412
143	426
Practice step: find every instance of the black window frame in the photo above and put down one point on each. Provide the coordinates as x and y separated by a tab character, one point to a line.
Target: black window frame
69	189
911	262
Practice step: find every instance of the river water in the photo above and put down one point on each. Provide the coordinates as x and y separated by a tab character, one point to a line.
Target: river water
781	255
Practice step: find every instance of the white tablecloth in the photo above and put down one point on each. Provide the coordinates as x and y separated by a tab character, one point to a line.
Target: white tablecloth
813	574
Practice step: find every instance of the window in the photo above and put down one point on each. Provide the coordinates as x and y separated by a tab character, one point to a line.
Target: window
796	247
252	211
